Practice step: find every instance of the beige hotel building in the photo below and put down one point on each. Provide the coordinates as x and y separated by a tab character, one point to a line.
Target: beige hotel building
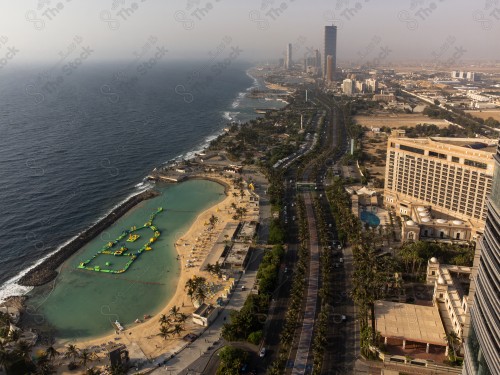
449	176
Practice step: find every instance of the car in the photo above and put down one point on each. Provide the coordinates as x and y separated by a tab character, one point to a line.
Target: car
286	269
344	318
243	287
341	260
262	352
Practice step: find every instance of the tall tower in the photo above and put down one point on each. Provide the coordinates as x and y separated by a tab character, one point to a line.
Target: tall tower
288	61
329	68
330	47
482	327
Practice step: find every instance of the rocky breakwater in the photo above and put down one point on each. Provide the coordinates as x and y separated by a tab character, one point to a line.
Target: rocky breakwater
46	271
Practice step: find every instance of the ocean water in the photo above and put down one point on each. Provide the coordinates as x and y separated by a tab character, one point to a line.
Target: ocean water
82	303
72	147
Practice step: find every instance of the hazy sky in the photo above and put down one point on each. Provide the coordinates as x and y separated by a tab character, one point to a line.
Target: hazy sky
32	30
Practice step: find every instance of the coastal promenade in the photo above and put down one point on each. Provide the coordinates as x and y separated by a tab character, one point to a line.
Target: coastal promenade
203	346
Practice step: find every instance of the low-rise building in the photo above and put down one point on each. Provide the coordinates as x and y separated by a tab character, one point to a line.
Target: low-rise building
449	294
205	314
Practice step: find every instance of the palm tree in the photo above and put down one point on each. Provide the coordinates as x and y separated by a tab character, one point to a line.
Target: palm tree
71	352
23	349
200	295
165	332
178	328
452	339
163	319
213	220
44	365
92	371
85	356
51	353
181	318
5	358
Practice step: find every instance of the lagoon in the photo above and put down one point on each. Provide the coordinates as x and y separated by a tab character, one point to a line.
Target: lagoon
82	304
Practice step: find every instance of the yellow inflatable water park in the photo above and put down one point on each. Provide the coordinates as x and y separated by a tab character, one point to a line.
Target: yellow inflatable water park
114	248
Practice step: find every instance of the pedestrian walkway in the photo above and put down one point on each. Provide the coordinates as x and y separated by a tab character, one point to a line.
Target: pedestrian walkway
192	351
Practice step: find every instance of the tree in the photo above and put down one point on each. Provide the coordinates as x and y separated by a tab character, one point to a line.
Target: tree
164	319
51	353
452	339
23	349
232	360
213	220
85	356
44	365
165	332
178	328
71	352
5	358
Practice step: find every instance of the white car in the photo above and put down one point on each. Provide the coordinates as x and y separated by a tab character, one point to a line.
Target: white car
262	352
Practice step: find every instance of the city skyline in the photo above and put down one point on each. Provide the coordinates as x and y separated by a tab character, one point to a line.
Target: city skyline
38	31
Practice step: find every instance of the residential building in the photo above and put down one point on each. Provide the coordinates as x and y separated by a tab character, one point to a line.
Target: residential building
348	86
371	85
453	176
482	343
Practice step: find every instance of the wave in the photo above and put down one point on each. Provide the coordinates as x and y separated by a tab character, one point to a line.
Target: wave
12	288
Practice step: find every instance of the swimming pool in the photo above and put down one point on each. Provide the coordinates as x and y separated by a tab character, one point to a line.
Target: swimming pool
370	218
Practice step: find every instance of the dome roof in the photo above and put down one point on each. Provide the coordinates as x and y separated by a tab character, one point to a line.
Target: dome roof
425	220
422	214
441	221
410	222
421	209
440	280
458	222
433	260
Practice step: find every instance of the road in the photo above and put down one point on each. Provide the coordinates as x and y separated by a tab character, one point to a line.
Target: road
302	363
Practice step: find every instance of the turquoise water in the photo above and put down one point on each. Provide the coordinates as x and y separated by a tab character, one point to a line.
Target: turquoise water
370	218
82	304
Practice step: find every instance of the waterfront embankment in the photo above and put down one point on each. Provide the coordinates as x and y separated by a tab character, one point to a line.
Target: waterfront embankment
46	271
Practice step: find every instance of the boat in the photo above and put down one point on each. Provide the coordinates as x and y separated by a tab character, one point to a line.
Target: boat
118	326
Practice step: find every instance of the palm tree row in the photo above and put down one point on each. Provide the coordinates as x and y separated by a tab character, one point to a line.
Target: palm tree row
325	291
172	324
294	309
214	269
196	289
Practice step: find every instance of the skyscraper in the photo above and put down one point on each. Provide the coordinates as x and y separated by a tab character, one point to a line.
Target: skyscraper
329	68
330	47
288	61
482	343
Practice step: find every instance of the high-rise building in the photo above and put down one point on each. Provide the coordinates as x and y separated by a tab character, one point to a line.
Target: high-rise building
371	85
329	68
288	60
482	342
317	60
348	86
330	47
451	175
360	86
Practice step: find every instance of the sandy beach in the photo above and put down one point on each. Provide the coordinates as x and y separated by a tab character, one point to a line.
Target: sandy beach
194	245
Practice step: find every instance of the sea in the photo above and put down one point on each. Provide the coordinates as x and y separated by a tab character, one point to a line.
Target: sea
75	144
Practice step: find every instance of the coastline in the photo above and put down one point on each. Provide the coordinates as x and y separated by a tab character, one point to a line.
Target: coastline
145	334
46	271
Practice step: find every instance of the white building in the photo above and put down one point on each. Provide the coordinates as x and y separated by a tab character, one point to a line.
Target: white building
348	86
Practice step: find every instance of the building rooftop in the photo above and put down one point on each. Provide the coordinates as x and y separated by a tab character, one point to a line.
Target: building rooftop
411	322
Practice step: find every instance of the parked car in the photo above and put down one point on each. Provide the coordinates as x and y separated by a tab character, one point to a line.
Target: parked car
262	352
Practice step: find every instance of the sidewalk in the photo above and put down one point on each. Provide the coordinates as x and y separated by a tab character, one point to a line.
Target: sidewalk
193	351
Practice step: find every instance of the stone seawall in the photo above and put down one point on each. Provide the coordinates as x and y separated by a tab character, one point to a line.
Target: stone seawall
46	271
